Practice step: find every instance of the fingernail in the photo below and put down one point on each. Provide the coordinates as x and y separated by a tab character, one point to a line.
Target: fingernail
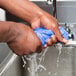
45	45
65	40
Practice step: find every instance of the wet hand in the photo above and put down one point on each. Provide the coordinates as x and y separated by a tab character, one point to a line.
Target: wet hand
25	41
49	22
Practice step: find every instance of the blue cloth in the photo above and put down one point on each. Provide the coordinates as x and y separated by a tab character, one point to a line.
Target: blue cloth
45	34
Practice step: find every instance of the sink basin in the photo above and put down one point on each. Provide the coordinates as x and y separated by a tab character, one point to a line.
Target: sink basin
11	66
51	61
4	50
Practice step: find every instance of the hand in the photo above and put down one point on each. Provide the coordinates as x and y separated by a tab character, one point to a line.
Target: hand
49	22
23	40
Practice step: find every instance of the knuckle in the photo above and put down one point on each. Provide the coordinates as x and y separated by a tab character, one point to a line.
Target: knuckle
53	38
60	39
55	41
50	42
54	26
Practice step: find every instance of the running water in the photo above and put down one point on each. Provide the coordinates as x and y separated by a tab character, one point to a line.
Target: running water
59	47
33	61
40	57
64	57
36	62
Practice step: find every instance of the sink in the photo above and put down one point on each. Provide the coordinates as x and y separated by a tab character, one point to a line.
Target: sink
11	66
4	50
53	62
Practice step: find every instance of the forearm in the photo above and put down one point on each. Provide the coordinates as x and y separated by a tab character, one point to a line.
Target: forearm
6	34
23	9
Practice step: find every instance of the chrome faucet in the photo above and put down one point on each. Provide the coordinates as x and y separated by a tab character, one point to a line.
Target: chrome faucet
68	29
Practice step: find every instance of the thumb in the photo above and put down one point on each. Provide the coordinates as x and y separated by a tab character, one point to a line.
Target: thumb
55	29
35	24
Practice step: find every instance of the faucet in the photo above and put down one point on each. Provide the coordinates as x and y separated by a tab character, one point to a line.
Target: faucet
68	29
55	8
71	42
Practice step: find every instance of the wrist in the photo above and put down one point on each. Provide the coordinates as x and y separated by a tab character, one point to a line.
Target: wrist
34	12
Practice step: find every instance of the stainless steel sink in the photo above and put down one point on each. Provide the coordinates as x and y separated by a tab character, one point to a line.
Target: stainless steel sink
10	64
53	63
4	50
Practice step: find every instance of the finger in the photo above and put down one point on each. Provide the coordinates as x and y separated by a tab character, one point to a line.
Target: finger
49	42
35	24
53	38
58	35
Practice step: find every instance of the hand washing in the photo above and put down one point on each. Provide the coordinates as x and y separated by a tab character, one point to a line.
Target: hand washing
45	34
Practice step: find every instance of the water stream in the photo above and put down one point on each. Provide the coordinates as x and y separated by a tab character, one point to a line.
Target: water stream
40	57
36	61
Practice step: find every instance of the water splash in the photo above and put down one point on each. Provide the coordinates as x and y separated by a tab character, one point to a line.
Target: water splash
59	47
32	59
36	61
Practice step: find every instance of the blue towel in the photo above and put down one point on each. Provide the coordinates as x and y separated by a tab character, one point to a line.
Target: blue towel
45	34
